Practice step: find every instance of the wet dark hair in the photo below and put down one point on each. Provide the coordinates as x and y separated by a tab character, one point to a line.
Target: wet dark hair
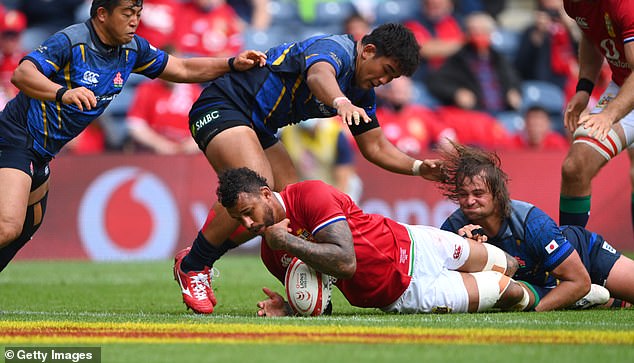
109	5
235	181
464	163
397	42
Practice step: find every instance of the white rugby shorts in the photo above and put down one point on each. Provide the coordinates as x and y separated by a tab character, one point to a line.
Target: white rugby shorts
435	286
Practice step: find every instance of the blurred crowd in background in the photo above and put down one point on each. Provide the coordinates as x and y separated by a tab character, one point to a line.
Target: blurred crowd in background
494	73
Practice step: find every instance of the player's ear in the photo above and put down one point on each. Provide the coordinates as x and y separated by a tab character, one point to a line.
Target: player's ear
266	192
369	51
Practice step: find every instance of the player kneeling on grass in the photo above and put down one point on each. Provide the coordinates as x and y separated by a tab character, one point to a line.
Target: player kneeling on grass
378	263
565	266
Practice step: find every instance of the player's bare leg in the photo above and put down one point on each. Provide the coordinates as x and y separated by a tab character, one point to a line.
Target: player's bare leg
621	279
31	212
581	165
14	196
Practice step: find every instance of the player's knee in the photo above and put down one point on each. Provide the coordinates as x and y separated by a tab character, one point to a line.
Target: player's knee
497	260
512	296
9	232
492	287
12	231
571	168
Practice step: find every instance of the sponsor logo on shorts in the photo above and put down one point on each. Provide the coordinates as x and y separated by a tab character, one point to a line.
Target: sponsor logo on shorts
457	252
606	246
204	120
551	247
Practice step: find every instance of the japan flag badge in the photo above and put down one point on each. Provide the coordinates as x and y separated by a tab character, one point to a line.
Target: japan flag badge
552	246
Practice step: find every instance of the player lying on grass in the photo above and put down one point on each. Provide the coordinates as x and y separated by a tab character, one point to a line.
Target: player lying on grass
378	263
560	263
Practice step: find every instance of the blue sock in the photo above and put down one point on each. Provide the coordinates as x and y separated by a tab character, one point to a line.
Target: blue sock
204	254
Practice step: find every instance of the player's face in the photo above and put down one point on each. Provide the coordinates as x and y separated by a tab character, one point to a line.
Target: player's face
121	25
253	212
475	199
374	71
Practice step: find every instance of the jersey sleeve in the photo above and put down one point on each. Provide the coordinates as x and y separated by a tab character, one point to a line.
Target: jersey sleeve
52	55
151	61
626	20
546	240
326	50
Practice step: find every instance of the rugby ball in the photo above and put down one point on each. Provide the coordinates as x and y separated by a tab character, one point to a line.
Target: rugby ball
307	290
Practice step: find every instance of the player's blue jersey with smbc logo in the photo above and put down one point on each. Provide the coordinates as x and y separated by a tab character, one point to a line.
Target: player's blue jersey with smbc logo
277	94
75	57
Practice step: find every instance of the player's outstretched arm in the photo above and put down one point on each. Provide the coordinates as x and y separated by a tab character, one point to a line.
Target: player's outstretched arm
377	149
196	70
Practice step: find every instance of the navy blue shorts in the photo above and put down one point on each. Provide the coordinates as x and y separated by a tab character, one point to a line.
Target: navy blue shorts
597	255
27	160
217	114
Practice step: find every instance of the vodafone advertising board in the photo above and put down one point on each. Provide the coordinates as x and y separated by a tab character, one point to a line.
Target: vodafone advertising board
146	207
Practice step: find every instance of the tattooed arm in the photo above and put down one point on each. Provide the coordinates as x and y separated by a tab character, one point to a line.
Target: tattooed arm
332	254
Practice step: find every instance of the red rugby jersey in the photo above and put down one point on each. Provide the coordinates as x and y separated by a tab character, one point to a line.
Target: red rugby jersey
608	25
382	246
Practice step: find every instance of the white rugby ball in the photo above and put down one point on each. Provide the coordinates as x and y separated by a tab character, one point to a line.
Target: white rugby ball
307	290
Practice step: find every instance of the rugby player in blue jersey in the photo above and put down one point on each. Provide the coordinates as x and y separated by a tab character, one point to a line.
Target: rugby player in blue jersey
564	267
236	118
66	83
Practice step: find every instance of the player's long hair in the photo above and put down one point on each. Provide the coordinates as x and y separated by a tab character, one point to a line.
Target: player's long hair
235	181
462	163
397	42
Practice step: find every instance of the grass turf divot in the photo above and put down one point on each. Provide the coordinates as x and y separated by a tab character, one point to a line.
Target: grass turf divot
99	332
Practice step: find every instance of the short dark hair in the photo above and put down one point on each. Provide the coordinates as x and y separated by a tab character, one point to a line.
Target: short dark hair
235	181
464	162
397	42
109	5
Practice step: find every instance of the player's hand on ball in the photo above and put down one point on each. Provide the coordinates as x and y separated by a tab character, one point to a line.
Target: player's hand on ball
273	306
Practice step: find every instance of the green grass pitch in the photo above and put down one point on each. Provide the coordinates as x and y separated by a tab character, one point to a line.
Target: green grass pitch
144	294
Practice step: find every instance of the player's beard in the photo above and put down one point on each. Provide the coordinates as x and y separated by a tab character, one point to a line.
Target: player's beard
269	217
